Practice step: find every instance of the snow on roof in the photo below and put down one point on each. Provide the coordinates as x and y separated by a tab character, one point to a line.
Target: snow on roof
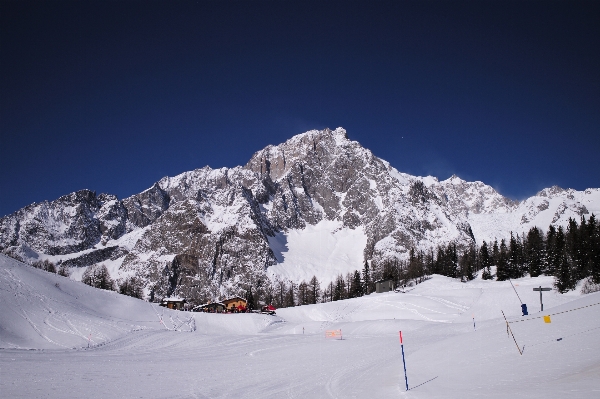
233	299
208	304
173	299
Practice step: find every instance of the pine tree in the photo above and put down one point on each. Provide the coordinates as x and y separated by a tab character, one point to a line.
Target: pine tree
339	291
485	262
452	261
563	279
355	285
416	267
522	269
585	269
132	286
99	277
348	284
249	299
280	293
515	257
593	227
366	275
551	253
558	250
290	297
303	294
495	253
573	249
534	252
502	271
331	291
467	264
429	263
314	290
438	265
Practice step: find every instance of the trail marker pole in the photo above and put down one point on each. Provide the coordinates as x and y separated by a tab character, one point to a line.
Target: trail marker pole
511	333
523	306
474	323
515	290
540	290
403	361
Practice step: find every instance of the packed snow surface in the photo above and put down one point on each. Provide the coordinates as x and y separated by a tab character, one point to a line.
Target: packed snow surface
137	349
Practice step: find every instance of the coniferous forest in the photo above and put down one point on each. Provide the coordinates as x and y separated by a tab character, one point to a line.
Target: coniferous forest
570	255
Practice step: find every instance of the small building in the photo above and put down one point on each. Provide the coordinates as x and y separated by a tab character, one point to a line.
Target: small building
235	304
384	286
173	303
214	307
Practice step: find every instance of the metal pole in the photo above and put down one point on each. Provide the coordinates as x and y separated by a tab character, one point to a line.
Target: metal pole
541	303
403	361
515	291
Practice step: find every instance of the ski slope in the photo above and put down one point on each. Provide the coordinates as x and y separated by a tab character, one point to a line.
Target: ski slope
138	350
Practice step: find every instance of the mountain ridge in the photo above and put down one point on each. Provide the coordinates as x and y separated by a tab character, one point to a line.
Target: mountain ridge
209	232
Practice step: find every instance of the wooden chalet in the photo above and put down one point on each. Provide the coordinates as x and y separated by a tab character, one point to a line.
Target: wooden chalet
173	303
236	304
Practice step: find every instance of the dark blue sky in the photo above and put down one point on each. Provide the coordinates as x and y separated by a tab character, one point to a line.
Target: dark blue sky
112	96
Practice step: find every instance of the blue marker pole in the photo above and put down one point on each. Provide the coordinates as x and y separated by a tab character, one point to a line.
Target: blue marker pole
403	361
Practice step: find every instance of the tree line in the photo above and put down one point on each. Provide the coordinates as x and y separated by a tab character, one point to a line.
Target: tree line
570	255
98	276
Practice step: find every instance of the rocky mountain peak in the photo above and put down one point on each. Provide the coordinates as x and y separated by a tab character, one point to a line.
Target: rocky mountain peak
550	191
309	147
211	232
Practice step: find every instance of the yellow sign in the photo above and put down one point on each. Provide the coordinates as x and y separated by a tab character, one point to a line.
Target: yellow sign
547	319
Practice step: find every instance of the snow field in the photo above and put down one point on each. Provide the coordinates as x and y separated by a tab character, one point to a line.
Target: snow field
323	250
259	356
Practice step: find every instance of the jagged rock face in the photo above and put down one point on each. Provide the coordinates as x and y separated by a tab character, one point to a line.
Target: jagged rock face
73	223
204	233
217	225
146	207
323	175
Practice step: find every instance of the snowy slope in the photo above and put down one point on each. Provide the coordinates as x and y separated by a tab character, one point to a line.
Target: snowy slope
250	356
323	250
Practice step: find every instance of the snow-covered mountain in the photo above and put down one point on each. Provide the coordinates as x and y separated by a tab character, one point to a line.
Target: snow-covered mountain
318	204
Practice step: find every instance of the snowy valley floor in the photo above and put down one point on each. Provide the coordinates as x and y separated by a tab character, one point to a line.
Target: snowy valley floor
46	322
